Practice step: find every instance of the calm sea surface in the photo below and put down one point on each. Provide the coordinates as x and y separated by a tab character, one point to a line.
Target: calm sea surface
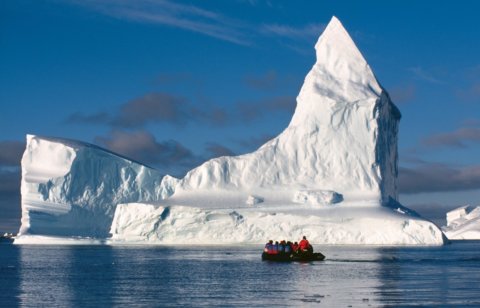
99	276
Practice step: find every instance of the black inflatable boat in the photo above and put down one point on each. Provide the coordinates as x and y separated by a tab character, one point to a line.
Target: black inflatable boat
300	257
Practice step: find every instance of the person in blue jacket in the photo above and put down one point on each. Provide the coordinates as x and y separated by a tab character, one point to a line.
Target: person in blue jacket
288	248
281	247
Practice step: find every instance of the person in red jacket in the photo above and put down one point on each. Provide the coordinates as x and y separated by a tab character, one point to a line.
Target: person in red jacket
295	247
304	245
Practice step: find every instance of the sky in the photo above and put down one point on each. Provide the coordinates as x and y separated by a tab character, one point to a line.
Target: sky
174	83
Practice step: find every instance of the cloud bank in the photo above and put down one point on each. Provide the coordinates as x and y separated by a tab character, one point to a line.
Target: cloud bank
458	138
432	177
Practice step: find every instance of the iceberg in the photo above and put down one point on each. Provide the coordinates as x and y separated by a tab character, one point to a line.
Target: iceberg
463	223
330	175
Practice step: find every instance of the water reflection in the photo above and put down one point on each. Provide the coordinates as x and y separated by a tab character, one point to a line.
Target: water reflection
9	275
235	276
93	276
44	276
351	276
433	276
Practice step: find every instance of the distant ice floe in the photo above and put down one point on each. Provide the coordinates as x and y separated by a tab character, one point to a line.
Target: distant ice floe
463	223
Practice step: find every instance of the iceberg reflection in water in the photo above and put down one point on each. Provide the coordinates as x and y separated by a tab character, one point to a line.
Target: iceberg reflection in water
236	276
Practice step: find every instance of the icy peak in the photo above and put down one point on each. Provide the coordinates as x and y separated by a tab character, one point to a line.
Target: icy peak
340	76
338	56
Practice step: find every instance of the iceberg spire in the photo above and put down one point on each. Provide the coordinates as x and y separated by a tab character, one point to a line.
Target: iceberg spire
338	55
340	74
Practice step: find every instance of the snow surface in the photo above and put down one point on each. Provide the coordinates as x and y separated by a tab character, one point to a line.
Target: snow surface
330	175
463	223
152	224
27	239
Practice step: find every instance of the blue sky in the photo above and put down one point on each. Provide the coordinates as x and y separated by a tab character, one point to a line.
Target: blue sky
173	83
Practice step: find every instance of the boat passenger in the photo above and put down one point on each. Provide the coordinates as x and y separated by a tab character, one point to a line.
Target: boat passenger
295	247
275	248
281	247
288	248
304	245
269	247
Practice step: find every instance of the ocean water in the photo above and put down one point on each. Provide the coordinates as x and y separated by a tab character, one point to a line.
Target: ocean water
102	276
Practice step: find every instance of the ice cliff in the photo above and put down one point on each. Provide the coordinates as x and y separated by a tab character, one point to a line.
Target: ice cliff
463	223
70	188
331	175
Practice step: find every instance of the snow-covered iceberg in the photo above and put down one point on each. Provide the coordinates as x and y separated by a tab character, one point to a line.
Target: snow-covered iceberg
330	175
463	223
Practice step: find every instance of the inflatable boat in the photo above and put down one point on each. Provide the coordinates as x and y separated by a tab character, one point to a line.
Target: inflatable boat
296	257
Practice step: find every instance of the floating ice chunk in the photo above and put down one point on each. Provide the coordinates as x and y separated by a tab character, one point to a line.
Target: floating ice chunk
317	197
463	223
454	217
252	200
